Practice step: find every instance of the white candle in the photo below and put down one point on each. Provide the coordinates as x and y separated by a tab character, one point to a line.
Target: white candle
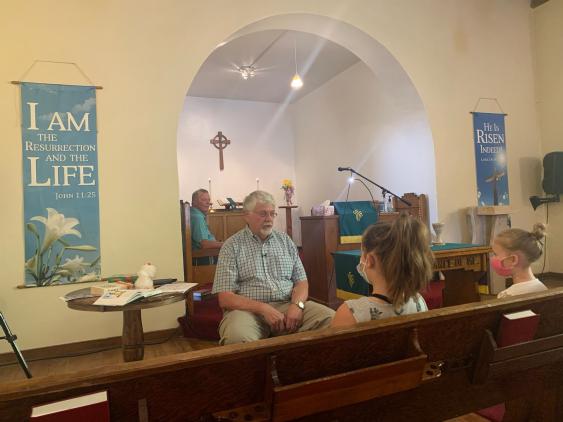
257	184
209	188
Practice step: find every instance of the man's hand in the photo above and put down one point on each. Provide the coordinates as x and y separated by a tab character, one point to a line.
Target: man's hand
293	318
274	318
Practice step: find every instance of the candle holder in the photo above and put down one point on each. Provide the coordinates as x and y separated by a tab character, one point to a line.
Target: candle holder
438	227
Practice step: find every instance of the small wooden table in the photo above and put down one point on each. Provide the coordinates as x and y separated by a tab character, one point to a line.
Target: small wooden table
132	338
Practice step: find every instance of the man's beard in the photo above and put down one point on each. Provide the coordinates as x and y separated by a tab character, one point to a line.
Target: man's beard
266	231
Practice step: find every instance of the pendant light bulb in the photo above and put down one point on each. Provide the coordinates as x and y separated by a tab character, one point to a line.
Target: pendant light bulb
296	82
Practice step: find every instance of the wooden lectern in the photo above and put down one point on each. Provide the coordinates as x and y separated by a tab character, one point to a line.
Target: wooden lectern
320	237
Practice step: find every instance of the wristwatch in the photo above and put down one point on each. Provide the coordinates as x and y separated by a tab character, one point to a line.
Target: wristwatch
300	305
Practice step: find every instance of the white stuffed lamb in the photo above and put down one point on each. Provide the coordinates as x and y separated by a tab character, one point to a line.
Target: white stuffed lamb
145	276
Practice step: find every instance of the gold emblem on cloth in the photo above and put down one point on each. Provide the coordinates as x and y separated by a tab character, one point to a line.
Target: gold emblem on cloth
358	214
351	279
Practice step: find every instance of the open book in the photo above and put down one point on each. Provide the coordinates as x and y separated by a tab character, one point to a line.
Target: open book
123	297
228	203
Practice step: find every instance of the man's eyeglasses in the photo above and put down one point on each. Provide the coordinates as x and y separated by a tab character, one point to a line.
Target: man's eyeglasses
264	214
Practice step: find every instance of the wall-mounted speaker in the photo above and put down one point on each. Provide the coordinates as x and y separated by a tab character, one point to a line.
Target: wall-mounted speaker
553	173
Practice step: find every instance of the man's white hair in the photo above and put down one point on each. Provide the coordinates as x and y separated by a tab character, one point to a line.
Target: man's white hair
258	197
195	195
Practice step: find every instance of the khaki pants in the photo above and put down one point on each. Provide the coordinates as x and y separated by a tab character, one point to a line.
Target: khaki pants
243	326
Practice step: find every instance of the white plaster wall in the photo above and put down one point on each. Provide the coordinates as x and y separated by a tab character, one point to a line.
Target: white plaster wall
262	148
450	63
145	54
351	121
548	44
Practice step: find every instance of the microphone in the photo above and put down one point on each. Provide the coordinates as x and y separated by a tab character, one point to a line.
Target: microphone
344	169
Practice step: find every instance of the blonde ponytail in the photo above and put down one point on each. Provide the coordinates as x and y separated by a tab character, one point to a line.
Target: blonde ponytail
403	248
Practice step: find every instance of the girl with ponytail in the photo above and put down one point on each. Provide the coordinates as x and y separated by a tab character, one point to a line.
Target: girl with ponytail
397	261
514	251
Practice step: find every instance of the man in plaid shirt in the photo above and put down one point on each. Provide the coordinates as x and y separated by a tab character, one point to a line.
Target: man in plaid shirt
260	280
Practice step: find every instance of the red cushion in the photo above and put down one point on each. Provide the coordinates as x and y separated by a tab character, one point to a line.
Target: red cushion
433	294
204	323
201	326
494	413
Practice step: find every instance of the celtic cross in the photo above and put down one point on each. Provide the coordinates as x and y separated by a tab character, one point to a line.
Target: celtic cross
220	142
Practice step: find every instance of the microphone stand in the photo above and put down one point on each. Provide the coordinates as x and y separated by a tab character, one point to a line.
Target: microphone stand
384	191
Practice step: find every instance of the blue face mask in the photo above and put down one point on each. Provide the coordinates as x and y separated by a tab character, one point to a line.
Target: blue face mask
361	269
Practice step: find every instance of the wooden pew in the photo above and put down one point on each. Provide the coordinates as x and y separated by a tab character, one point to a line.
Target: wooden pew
194	273
426	367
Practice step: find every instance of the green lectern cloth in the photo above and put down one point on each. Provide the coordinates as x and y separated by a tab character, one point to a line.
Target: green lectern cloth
351	285
354	218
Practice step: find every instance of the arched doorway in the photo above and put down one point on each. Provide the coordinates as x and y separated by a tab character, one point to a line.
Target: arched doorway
382	130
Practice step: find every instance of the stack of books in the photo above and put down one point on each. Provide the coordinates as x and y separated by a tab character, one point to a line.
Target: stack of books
126	278
104	288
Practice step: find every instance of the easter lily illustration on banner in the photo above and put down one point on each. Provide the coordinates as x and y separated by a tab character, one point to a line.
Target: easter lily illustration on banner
46	266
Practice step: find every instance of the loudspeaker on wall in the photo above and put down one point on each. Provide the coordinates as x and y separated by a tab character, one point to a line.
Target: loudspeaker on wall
553	173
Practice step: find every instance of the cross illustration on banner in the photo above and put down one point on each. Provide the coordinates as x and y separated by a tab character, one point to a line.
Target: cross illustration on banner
220	142
494	178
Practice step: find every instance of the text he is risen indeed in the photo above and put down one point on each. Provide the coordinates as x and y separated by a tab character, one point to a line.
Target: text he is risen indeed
487	135
62	175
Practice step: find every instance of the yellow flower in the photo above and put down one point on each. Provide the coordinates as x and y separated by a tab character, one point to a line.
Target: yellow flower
286	184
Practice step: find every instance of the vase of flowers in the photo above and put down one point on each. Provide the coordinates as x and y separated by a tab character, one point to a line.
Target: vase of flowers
289	190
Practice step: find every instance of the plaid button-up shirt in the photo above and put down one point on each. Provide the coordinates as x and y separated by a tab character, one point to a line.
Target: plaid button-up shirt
261	270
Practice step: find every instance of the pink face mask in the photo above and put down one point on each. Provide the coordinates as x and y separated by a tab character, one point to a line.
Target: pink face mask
496	263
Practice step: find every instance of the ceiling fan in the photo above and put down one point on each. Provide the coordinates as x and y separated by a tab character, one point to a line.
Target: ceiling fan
249	71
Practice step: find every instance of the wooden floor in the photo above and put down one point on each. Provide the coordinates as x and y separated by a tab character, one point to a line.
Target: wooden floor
40	368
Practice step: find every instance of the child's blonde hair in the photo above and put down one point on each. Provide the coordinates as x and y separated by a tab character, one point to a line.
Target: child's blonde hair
403	249
529	243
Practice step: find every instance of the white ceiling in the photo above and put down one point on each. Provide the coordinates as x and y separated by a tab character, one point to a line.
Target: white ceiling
318	61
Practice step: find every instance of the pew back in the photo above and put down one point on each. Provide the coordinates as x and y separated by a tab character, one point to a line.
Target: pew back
315	376
194	273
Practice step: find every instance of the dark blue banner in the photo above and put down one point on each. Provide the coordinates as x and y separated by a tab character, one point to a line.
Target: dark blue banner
60	179
490	159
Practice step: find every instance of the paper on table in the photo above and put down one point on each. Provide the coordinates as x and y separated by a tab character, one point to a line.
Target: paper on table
78	294
176	287
123	297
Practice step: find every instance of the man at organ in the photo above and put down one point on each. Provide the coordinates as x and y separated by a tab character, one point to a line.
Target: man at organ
202	238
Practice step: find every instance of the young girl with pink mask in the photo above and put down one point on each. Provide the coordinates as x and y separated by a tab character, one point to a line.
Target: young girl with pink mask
514	251
397	261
